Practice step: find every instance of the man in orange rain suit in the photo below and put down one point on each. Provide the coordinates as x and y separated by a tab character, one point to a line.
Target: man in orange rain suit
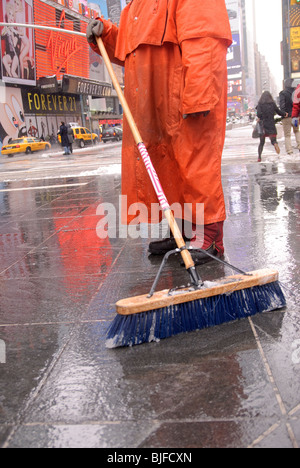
174	54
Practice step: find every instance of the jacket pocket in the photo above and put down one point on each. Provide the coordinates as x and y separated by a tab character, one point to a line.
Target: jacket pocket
175	97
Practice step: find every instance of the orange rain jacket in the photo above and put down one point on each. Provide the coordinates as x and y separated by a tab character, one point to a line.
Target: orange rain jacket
174	54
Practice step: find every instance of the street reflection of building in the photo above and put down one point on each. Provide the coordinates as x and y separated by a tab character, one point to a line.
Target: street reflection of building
60	78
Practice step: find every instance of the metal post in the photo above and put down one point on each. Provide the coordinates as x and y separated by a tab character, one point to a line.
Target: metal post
90	120
45	28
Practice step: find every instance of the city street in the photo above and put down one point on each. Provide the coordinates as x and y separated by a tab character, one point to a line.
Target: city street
236	385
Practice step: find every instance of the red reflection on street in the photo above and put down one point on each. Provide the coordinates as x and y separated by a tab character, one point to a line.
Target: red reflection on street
82	252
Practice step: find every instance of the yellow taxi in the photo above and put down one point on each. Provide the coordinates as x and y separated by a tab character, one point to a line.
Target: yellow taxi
82	136
25	145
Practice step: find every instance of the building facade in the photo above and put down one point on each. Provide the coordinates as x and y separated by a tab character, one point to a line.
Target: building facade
51	76
291	38
248	70
234	60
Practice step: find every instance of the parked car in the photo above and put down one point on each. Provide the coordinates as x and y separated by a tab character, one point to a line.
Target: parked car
112	133
25	145
82	136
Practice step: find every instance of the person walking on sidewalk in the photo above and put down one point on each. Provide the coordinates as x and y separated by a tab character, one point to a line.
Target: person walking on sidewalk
63	131
286	105
174	54
70	137
266	110
296	109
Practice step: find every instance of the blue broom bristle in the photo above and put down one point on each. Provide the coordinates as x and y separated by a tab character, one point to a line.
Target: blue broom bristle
154	325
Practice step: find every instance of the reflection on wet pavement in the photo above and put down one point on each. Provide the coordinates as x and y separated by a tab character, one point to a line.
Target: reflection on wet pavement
221	387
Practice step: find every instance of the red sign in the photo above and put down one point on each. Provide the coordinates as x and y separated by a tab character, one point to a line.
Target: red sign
59	53
111	121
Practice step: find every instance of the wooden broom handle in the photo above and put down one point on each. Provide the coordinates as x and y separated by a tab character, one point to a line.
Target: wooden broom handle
186	256
127	111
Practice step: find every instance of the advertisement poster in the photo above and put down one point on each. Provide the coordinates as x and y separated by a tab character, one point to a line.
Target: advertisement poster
234	63
294	16
17	43
12	115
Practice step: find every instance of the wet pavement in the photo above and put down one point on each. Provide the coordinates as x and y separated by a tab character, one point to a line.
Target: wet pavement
235	385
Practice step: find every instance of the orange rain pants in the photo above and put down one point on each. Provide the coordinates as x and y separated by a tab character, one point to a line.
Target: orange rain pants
174	54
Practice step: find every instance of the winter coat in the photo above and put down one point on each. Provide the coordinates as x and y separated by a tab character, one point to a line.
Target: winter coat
63	131
70	134
266	113
174	54
296	103
286	100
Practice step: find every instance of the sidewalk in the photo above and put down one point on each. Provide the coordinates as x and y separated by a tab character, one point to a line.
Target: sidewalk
236	385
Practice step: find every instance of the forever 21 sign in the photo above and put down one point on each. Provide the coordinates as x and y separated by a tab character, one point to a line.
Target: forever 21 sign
36	102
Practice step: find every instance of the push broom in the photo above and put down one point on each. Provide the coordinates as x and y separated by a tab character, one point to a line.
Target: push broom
162	314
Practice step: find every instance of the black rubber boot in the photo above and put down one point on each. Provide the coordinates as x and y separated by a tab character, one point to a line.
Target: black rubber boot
163	246
200	258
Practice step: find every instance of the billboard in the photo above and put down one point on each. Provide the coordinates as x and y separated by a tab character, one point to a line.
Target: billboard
294	19
234	61
59	53
12	118
17	43
78	85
